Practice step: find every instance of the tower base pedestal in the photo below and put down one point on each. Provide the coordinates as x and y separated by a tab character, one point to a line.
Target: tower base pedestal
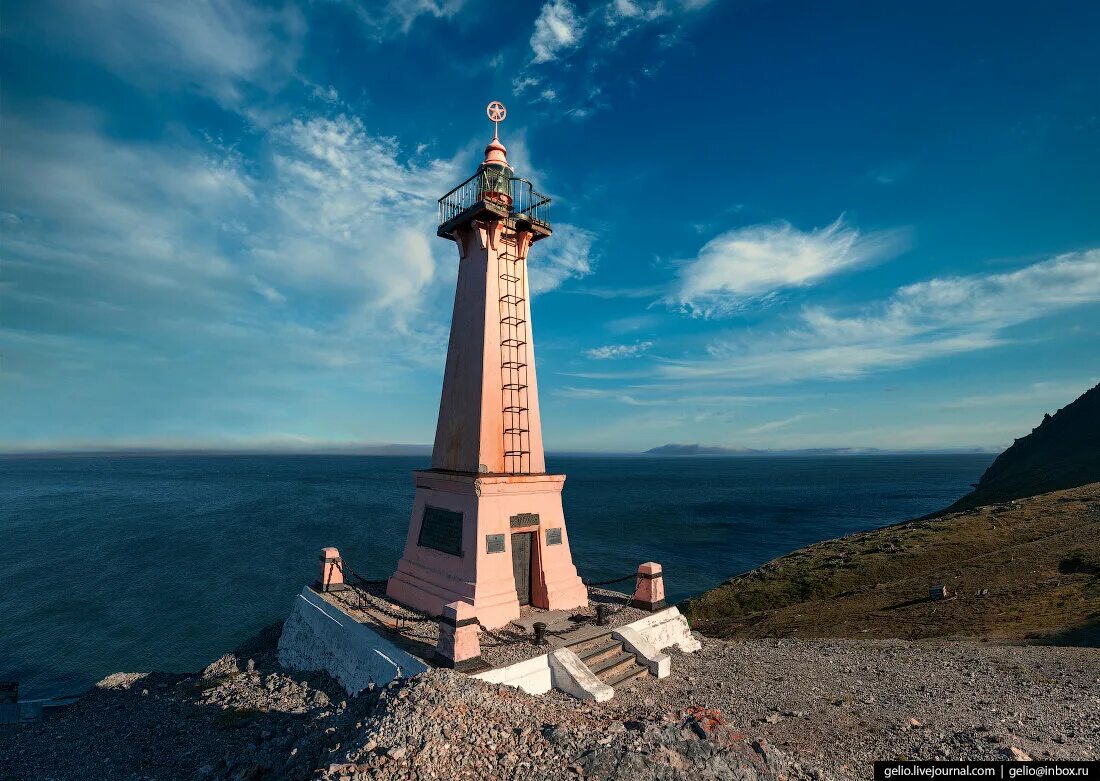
462	546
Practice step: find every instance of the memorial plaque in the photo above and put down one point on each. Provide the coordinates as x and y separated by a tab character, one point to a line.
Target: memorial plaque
494	543
441	530
524	519
553	536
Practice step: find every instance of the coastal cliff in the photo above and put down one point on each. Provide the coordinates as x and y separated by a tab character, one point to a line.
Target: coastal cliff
1023	571
1019	558
1061	452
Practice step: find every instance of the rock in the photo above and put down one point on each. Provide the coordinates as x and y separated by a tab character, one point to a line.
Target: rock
1016	754
773	718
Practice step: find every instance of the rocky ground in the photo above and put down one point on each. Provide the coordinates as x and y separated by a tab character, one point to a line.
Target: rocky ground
759	709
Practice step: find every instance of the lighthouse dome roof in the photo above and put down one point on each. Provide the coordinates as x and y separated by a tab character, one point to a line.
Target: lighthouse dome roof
495	153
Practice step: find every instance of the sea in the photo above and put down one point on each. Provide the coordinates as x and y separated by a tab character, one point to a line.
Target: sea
139	563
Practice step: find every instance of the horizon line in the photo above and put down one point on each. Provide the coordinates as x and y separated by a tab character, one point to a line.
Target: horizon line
426	450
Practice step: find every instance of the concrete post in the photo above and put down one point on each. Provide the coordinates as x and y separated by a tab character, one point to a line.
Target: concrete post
332	571
649	593
458	646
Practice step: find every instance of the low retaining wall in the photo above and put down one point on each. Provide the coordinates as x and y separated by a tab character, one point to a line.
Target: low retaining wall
532	676
320	636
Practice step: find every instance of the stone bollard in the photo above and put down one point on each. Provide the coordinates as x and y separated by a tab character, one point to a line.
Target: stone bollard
332	571
458	646
649	594
539	629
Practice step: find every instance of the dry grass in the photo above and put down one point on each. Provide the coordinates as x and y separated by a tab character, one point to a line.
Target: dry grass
1037	560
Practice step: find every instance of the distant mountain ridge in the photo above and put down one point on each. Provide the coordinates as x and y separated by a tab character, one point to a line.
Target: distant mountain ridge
1061	452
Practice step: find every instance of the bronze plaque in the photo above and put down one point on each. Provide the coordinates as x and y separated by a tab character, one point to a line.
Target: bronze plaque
441	530
553	536
524	519
494	543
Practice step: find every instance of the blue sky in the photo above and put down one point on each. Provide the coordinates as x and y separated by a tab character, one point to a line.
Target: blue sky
778	225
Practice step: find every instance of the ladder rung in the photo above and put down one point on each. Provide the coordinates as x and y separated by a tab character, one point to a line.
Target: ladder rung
509	278
510	320
514	386
517	452
517	431
513	365
512	343
510	299
515	410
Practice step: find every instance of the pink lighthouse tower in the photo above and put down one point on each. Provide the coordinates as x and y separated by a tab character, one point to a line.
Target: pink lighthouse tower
487	524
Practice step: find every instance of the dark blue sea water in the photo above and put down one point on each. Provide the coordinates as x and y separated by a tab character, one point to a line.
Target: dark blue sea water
140	563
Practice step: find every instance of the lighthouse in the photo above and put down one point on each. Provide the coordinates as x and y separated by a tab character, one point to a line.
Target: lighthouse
487	526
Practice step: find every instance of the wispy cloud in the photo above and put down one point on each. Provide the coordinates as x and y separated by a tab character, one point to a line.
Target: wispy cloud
162	284
223	48
1044	392
618	350
612	395
772	425
558	30
562	32
347	203
938	317
746	264
382	16
568	256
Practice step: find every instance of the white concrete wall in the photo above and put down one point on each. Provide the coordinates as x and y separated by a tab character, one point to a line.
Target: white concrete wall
532	676
666	628
321	636
570	675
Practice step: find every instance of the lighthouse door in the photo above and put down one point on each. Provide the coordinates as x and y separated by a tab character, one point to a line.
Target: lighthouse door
521	566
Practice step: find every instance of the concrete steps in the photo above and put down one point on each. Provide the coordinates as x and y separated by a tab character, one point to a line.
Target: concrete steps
609	660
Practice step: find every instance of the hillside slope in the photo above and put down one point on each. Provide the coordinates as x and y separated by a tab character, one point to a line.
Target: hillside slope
1061	452
1026	570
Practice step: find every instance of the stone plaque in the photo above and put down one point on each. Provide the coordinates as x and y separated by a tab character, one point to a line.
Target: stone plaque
441	530
553	536
494	543
524	519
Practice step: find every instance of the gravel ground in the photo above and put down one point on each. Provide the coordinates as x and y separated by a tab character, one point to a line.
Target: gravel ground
749	710
846	703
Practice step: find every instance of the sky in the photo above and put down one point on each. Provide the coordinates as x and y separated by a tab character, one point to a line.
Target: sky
776	224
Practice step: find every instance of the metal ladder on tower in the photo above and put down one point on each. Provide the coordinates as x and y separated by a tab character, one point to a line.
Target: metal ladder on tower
513	356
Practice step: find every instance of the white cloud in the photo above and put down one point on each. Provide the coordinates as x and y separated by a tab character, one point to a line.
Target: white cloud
632	12
1056	393
382	17
613	395
183	288
565	255
772	425
352	218
750	263
220	47
939	317
618	350
557	30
